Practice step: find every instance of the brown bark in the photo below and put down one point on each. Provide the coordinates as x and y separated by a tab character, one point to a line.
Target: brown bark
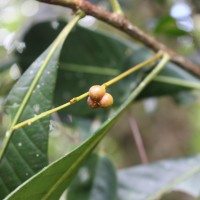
121	23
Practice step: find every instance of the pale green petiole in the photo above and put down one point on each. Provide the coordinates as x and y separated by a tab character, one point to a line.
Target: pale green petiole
177	81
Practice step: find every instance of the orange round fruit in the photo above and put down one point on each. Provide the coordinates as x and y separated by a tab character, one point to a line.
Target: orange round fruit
92	104
96	92
106	101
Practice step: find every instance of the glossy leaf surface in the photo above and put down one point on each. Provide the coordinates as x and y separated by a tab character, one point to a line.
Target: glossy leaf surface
92	57
151	181
50	182
24	151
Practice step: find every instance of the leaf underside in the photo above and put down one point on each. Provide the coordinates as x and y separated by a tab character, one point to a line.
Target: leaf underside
152	180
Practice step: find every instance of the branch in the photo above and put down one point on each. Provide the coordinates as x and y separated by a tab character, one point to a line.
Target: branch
79	98
121	23
138	139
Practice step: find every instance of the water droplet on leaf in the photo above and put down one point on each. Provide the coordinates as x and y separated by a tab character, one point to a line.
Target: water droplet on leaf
19	144
55	24
36	108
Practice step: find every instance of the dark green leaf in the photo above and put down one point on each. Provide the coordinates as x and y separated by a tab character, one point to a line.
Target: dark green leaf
95	180
161	88
50	182
153	180
89	58
26	152
168	26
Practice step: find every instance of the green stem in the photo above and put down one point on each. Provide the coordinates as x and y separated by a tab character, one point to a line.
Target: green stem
176	81
152	75
99	135
133	69
76	99
116	7
59	41
44	114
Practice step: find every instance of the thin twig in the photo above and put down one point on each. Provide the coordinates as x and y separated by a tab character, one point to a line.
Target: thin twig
121	23
133	69
76	99
138	139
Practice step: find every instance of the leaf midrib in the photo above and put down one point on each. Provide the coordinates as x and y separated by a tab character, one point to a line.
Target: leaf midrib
59	41
174	182
70	169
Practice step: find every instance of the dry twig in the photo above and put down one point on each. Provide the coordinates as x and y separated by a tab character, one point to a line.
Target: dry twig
121	23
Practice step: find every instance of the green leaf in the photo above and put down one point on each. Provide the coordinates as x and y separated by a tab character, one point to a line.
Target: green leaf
151	181
159	88
24	151
88	58
167	25
50	182
95	180
92	57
